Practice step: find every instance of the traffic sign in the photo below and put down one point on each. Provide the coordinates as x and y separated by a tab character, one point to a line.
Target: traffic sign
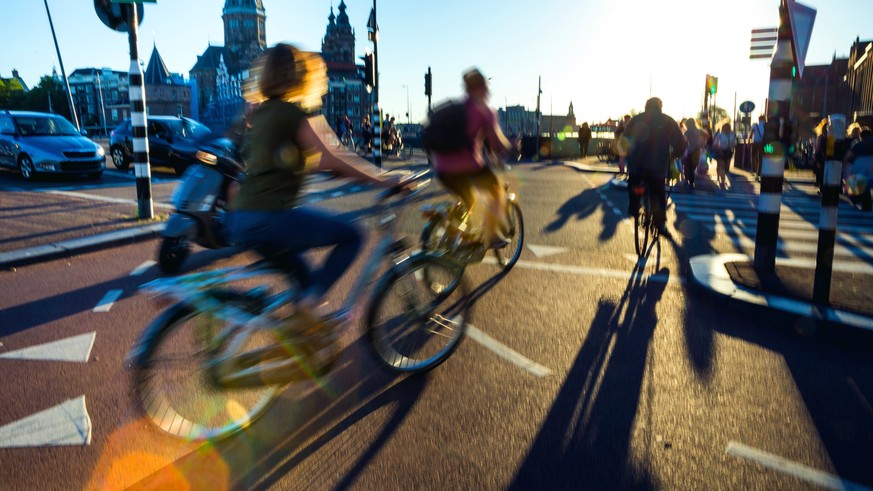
747	107
114	15
802	19
763	42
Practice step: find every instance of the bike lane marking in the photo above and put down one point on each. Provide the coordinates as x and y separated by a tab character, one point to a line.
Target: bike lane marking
73	349
786	466
507	353
108	300
142	268
68	424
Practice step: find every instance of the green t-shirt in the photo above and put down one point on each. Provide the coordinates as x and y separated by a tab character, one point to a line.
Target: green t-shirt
275	163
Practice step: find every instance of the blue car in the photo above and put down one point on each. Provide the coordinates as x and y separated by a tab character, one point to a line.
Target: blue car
40	143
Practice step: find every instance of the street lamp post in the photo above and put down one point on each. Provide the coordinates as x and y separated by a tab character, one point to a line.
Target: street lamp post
102	107
63	72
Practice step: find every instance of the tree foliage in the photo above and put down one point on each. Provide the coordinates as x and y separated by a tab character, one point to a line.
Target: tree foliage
49	95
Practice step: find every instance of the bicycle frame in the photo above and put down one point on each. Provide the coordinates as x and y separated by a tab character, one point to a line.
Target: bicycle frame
197	289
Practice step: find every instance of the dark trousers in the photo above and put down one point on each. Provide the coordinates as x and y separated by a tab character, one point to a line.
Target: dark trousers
657	193
284	236
689	165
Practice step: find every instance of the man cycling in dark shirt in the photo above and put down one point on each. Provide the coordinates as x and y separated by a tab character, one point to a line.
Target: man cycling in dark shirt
652	140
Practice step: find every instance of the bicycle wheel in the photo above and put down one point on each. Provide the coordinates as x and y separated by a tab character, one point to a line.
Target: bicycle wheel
175	387
404	152
416	320
508	256
642	225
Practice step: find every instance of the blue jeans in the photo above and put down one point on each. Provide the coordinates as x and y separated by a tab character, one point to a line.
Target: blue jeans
283	236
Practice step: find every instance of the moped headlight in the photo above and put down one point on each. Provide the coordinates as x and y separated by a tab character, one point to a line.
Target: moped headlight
206	157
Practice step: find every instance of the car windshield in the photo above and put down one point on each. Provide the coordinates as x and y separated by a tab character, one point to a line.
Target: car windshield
187	129
45	126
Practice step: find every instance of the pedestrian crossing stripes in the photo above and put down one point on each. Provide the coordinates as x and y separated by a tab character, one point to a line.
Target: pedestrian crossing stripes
731	220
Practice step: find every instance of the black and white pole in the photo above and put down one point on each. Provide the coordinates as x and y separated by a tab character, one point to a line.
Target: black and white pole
136	90
377	119
827	232
776	142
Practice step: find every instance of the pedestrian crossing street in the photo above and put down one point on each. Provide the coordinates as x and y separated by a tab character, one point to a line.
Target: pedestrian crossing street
729	222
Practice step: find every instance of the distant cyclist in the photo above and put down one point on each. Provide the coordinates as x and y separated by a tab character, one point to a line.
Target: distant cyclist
652	140
465	170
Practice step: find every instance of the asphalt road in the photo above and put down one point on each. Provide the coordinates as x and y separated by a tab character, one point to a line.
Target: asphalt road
586	369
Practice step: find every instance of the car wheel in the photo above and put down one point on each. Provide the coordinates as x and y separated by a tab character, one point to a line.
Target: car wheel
119	158
25	168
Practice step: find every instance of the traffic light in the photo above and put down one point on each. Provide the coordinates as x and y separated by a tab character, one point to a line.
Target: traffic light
711	84
428	88
369	70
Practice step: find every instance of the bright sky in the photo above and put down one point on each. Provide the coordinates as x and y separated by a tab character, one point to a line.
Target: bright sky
606	57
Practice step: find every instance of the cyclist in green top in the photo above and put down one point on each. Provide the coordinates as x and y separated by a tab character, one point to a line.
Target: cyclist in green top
285	141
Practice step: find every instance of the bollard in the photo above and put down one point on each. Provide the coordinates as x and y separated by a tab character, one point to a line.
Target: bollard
827	232
138	121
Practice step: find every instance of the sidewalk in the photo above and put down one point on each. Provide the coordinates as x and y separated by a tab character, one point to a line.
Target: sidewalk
37	226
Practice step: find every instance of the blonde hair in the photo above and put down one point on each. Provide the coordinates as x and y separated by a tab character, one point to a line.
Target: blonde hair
286	73
819	128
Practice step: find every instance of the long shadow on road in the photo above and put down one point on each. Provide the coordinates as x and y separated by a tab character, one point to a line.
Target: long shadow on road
586	436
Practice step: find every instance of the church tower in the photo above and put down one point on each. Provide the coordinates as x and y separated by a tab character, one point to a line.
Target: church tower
339	41
244	36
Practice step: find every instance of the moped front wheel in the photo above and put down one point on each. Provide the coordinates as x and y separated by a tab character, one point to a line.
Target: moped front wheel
417	316
172	254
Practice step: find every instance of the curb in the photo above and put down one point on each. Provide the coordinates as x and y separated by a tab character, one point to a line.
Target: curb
68	248
709	272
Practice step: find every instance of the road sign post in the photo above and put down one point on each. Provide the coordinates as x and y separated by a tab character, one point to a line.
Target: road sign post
125	16
373	35
777	135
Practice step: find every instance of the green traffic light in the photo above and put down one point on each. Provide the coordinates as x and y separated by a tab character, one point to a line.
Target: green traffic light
794	72
768	149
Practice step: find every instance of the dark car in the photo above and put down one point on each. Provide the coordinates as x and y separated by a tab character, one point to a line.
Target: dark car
173	141
37	143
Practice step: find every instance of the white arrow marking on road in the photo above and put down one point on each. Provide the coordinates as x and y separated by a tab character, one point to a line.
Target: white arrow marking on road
791	468
67	423
543	250
108	301
142	268
507	353
75	349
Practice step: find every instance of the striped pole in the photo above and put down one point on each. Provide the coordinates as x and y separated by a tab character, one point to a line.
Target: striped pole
827	232
142	170
776	137
377	134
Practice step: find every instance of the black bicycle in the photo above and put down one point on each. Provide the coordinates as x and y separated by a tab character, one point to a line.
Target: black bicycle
644	222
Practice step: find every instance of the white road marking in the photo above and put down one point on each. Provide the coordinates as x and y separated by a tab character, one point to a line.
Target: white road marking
75	349
142	268
786	466
605	273
507	353
108	300
94	197
67	423
544	250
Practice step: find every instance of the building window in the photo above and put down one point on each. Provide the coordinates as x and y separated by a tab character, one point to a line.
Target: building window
115	115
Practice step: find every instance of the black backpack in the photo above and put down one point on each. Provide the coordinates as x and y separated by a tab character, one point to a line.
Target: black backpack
446	128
